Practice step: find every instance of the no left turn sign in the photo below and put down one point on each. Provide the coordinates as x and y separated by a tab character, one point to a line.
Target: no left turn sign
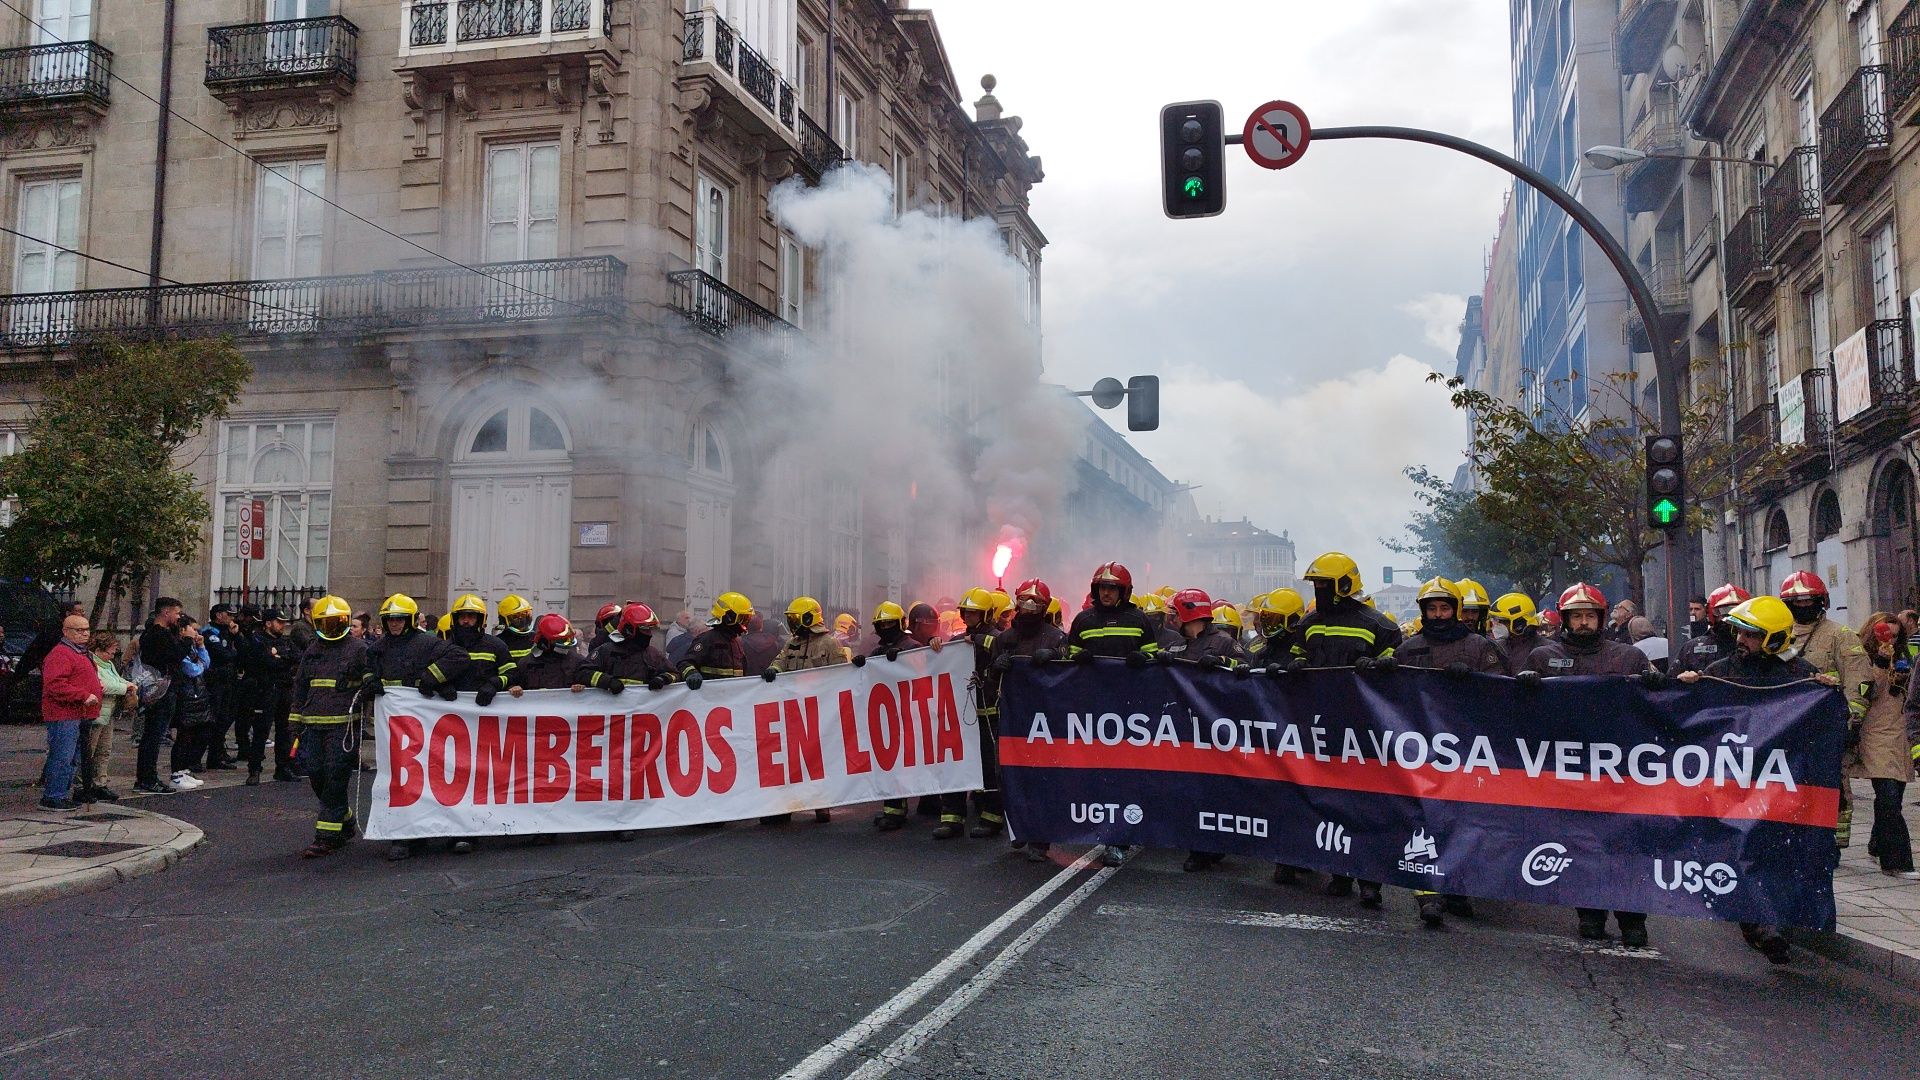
1276	134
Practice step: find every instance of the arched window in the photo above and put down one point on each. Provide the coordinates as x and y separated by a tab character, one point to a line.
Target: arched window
1893	509
1779	536
1826	516
707	452
519	431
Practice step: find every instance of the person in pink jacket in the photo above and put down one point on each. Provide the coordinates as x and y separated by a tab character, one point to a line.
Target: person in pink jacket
69	699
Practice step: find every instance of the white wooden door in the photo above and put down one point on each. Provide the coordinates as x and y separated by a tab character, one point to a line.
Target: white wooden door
1830	562
709	543
510	535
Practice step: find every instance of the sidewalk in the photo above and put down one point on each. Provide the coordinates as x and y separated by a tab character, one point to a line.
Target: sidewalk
1879	916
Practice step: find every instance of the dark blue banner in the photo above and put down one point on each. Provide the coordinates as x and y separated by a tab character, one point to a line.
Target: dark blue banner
1708	801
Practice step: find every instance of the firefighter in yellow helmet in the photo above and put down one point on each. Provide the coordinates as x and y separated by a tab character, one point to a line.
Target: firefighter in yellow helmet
516	626
891	639
488	671
1474	605
444	625
716	653
1516	613
1156	610
326	688
1277	616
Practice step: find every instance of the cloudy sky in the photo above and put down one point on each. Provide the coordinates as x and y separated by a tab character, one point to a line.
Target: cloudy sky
1291	333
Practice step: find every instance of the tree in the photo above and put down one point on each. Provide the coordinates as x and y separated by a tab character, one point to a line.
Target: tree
1457	535
96	486
1576	478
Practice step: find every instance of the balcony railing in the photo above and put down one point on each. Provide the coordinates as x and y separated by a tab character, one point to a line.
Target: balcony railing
1889	360
433	23
1658	133
1640	31
274	53
713	306
1903	61
1753	436
713	39
62	73
1816	389
1790	203
1855	134
1748	265
504	293
818	152
1702	247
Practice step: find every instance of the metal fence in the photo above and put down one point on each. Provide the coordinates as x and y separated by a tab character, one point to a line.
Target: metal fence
61	71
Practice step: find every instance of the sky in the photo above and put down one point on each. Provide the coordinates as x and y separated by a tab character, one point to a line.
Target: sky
1293	333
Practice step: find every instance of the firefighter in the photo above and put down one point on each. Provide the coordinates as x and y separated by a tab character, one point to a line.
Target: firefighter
846	631
1208	640
1473	606
1111	626
1033	635
716	654
516	626
326	688
979	617
1702	650
808	646
1002	609
629	657
1583	650
1056	615
1277	616
1521	619
553	662
1762	655
1227	617
444	626
890	632
1340	631
1835	652
406	655
1445	643
488	669
603	624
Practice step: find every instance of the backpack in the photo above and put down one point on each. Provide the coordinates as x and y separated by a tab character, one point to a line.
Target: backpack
153	685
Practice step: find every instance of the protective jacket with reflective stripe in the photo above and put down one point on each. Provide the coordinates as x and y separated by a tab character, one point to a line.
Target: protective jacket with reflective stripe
405	659
1114	631
1344	632
807	650
329	675
547	669
716	654
519	643
634	660
1603	657
1213	643
489	663
1475	651
1022	639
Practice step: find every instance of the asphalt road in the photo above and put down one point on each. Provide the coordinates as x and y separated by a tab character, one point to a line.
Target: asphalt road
751	951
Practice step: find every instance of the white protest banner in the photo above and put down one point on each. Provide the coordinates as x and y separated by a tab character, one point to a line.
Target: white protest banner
553	761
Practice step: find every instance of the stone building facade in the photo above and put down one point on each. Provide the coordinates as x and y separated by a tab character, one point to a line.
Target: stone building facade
494	262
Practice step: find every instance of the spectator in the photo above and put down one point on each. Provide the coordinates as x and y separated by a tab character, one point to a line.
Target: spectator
161	650
1643	635
359	627
1697	621
36	651
1910	627
1881	754
117	696
760	645
193	719
680	637
300	631
70	695
1622	618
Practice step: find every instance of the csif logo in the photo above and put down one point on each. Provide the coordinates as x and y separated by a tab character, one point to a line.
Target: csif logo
1544	864
1331	836
1678	875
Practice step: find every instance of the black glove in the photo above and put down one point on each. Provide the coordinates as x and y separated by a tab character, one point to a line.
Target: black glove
1853	736
1138	659
428	686
483	697
1240	670
1459	667
859	660
1275	670
1529	678
448	693
693	680
1385	663
658	681
1084	656
613	684
1364	663
893	654
1298	663
1652	679
376	688
1209	662
769	674
1004	662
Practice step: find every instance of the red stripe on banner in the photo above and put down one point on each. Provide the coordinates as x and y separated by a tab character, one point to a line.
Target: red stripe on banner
1810	805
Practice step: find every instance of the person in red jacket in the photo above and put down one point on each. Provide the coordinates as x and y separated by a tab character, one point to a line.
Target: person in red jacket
69	698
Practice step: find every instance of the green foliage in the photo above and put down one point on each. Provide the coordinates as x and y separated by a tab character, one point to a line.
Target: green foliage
1458	535
96	485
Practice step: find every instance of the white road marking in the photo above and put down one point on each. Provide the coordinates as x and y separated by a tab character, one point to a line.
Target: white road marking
1280	920
904	1047
38	1041
818	1062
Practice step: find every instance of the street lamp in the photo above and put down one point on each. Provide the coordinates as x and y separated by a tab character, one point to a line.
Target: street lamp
1607	158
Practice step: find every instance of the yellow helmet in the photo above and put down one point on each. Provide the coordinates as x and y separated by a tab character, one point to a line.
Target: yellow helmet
888	611
1368	600
1438	589
445	625
731	609
331	617
469	602
1151	603
1288	606
1002	603
399	606
805	614
845	623
1054	611
512	606
977	599
1337	570
1516	610
1165	592
1767	616
1227	614
1472	594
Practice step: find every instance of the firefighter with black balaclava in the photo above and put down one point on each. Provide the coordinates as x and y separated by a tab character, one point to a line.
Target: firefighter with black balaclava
1762	654
1208	641
553	663
1277	616
629	657
603	623
329	679
1112	626
516	626
1583	649
890	634
1340	631
1516	614
1446	644
488	669
716	654
1032	634
1836	653
406	655
1702	650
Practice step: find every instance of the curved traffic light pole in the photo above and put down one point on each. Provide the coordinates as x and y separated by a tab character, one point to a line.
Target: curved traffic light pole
1667	371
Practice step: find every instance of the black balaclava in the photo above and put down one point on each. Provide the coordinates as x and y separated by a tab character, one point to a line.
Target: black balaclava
1324	597
1444	630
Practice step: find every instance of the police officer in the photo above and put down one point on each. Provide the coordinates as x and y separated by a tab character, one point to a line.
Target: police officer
1835	652
516	626
1583	649
1209	641
326	689
1112	626
488	669
1762	655
1446	644
1032	634
1516	614
1341	631
263	680
553	663
716	654
406	655
1702	650
221	636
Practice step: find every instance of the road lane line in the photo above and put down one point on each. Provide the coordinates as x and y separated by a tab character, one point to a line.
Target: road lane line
910	1043
38	1041
818	1062
1280	920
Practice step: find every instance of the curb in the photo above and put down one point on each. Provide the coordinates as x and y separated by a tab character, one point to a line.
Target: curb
1858	950
151	861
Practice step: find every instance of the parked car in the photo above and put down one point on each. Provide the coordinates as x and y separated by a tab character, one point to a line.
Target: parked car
25	609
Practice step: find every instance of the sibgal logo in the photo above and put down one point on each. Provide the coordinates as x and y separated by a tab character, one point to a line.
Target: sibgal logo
1544	864
1097	813
1330	836
1418	851
1689	876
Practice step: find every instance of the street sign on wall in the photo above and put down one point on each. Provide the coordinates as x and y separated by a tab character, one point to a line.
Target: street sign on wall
251	535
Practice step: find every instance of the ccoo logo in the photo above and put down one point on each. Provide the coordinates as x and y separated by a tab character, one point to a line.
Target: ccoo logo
1330	836
1544	864
1675	875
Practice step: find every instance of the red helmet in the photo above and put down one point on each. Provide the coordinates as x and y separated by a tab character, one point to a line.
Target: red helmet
1032	596
607	614
1113	573
637	616
1551	618
1191	604
1583	597
552	628
1725	596
1803	585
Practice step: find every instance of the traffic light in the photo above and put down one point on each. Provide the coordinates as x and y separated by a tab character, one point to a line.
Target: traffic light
1666	482
1193	159
1143	403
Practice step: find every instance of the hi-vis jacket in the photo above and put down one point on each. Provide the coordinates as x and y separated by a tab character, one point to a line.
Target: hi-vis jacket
1344	632
1835	650
1028	635
329	675
1114	631
519	643
634	660
807	650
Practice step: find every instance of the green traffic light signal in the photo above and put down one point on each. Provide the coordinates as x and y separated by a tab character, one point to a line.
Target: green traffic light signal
1194	187
1665	512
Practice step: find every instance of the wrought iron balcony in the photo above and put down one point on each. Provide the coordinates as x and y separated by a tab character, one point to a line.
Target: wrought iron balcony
1672	295
67	74
1790	205
1641	32
512	293
712	40
1816	391
818	152
1889	360
1855	135
1702	247
1903	63
291	53
711	305
1646	184
1749	269
436	23
1753	435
